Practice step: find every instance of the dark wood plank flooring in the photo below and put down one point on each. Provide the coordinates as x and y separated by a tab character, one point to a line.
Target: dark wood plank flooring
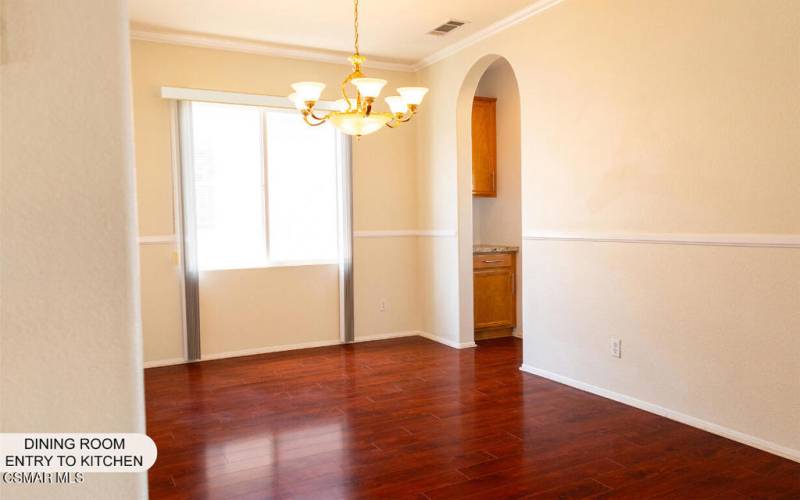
409	418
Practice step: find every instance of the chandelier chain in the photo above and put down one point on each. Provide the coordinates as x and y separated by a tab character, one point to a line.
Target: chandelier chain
355	23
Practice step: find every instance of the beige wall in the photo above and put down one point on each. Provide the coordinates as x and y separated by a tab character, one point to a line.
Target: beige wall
651	117
250	309
384	199
710	332
70	353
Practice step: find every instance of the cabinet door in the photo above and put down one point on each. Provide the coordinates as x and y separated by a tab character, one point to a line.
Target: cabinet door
484	147
494	298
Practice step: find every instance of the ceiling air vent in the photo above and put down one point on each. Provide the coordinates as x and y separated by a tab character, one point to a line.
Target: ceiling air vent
446	27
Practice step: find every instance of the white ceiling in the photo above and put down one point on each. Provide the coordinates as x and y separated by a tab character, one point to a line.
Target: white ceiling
390	30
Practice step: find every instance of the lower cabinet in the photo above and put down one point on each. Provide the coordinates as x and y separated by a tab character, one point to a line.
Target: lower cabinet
495	297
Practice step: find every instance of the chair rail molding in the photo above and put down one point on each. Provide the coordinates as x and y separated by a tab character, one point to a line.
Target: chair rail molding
701	239
158	239
402	233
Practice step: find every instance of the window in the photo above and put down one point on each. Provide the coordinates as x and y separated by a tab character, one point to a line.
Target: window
266	187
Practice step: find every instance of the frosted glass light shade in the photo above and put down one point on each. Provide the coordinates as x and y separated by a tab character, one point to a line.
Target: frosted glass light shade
308	91
341	104
369	87
356	124
397	104
412	95
300	105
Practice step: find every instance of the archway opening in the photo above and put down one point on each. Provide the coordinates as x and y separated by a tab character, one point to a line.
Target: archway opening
490	201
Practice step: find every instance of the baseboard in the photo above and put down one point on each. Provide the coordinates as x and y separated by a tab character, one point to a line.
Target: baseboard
278	348
163	362
385	336
417	333
711	427
309	345
447	342
269	349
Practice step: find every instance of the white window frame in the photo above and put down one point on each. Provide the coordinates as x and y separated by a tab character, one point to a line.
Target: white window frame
266	104
188	271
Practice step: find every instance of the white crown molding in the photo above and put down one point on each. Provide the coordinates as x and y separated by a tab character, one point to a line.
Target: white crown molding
406	233
741	437
501	25
144	34
255	47
719	239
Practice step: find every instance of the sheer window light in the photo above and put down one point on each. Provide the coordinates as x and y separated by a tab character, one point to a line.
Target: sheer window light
229	186
266	189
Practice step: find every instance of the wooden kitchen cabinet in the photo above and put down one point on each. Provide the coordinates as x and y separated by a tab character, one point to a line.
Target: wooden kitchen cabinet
495	297
484	147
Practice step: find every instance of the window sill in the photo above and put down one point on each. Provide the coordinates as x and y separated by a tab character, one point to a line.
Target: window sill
270	265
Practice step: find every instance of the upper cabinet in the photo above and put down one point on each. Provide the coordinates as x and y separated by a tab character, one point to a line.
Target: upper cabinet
484	147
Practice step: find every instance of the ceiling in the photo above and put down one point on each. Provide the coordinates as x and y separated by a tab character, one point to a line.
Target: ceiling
393	31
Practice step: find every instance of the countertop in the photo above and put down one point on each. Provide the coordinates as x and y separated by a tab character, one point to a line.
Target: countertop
484	248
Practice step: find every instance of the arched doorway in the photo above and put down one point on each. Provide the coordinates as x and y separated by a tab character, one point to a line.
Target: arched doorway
495	220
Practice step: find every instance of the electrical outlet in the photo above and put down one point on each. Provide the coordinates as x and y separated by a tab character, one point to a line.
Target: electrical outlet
382	305
616	347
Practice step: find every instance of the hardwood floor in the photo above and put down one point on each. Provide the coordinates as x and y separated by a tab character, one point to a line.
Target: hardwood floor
410	418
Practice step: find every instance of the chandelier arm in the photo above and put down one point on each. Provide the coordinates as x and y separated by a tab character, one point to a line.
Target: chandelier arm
346	97
310	123
320	118
408	116
344	90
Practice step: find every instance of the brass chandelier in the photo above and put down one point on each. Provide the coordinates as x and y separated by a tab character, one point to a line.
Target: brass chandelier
356	116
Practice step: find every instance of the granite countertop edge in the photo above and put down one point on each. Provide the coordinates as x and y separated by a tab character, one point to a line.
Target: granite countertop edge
484	249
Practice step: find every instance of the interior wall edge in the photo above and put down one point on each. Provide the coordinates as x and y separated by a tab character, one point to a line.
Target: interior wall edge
726	432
